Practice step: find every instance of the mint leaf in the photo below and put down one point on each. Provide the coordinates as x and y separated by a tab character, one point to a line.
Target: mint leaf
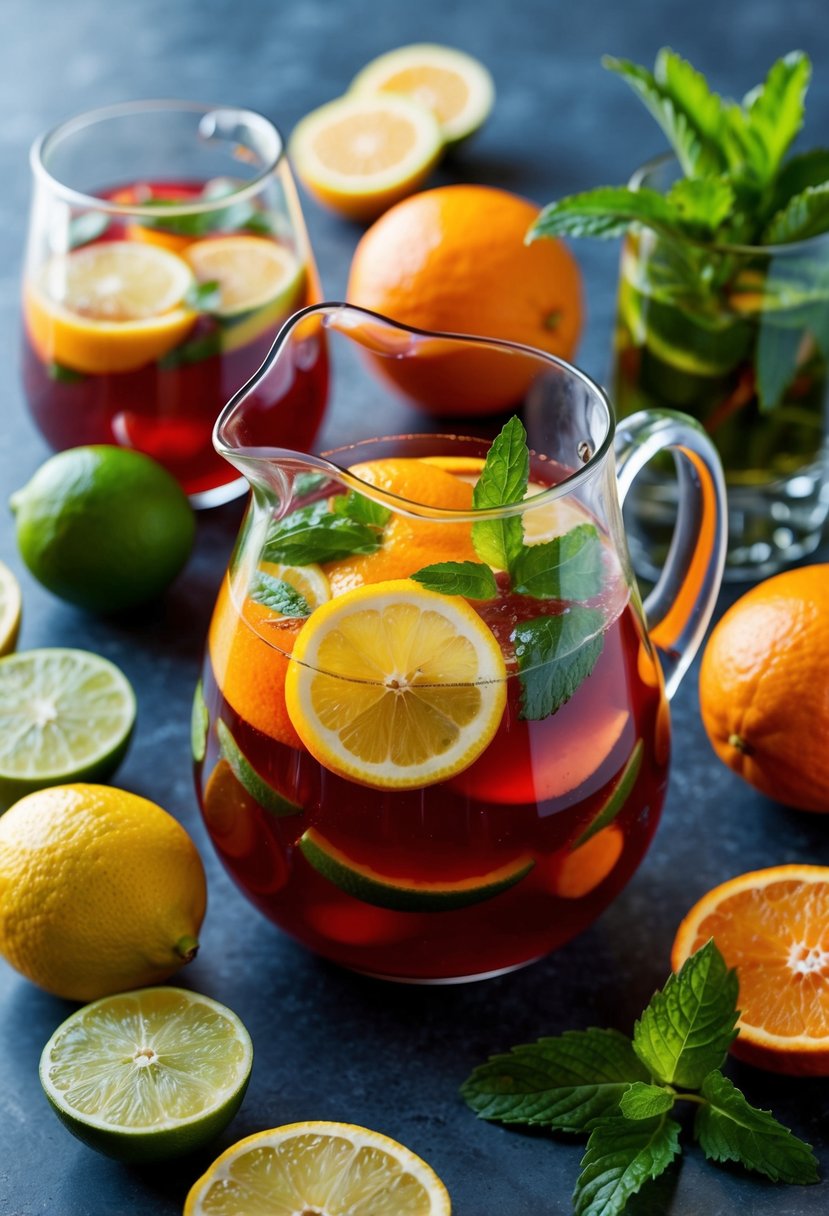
799	172
617	798
260	790
643	1101
567	568
63	375
606	212
316	534
555	655
688	1027
728	1128
503	481
204	297
87	227
704	203
689	91
805	215
566	1083
622	1154
694	154
364	510
279	596
775	361
774	110
472	579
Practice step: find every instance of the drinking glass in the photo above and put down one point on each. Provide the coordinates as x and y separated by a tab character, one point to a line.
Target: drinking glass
166	247
737	337
427	785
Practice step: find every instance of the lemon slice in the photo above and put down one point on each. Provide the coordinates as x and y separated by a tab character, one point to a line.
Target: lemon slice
251	271
358	155
109	307
65	715
10	610
456	88
310	581
319	1168
396	686
147	1075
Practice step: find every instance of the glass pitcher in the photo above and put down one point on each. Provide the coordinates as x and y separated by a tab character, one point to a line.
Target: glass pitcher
432	733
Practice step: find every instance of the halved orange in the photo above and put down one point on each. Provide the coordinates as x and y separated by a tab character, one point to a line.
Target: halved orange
773	926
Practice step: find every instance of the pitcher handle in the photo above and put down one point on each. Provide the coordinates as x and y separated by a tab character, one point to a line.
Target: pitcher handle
680	606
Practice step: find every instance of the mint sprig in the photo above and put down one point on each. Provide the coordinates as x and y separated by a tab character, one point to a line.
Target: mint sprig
503	481
621	1091
470	579
326	532
279	596
555	656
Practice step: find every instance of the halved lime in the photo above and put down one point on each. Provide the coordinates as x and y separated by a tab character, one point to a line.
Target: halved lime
150	1074
65	715
407	894
10	608
455	87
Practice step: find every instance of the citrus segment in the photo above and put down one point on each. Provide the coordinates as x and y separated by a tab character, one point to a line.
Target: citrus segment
402	894
329	1169
409	544
147	1075
251	272
109	307
10	610
456	88
358	155
65	715
395	686
773	926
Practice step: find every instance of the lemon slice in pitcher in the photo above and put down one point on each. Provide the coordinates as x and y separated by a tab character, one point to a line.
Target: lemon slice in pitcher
109	307
251	272
318	1167
395	686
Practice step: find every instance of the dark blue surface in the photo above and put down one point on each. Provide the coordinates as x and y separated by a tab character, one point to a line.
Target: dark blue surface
329	1044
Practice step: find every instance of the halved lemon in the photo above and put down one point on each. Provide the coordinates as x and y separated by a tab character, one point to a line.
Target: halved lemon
456	88
251	271
329	1169
109	307
395	686
358	155
10	610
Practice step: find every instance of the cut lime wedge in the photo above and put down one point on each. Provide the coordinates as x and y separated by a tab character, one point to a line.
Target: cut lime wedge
149	1074
65	715
10	608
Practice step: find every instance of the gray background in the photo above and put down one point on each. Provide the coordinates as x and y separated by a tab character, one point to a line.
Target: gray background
329	1044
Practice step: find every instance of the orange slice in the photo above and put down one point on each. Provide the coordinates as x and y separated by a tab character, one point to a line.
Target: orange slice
358	155
109	307
456	88
773	926
395	686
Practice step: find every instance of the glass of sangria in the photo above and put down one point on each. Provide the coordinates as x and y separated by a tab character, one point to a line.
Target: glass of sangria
166	247
431	735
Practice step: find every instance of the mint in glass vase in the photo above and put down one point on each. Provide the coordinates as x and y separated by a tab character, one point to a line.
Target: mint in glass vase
723	304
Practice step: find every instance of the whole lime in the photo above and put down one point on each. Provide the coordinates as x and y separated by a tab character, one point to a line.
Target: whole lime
103	527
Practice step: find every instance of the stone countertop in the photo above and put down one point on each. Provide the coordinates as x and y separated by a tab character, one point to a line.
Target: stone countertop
330	1044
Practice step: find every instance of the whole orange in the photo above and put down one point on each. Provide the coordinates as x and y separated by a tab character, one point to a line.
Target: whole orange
764	688
454	260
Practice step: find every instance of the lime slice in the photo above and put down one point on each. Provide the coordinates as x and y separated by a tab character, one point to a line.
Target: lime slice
358	155
456	88
252	273
617	797
146	1075
317	1169
199	723
65	716
404	894
259	789
10	609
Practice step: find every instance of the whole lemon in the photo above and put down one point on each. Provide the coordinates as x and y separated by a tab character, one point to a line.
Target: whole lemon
103	527
100	891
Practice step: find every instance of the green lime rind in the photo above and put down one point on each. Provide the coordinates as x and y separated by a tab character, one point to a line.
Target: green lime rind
617	797
61	1076
268	798
65	716
401	895
199	724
